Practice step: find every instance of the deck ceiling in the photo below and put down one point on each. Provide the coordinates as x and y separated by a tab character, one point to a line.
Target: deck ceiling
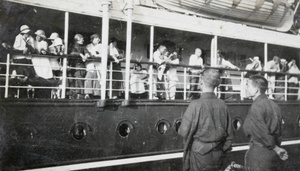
162	18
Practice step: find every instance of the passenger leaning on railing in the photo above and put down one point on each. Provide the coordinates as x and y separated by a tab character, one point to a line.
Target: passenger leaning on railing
77	61
137	81
41	64
117	75
160	59
57	48
24	43
272	66
293	81
222	63
195	60
93	76
280	84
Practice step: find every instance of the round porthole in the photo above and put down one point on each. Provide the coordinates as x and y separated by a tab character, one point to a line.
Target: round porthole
124	128
80	130
177	124
237	123
162	126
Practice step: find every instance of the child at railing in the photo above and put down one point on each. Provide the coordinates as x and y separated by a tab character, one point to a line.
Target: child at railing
137	86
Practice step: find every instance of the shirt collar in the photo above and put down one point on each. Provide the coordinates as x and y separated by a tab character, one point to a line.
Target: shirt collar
260	97
208	95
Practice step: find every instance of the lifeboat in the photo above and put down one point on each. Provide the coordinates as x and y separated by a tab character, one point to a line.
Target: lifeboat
270	14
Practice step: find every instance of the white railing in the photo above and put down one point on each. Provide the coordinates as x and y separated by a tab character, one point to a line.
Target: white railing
232	85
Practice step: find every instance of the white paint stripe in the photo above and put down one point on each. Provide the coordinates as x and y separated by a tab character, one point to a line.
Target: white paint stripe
135	160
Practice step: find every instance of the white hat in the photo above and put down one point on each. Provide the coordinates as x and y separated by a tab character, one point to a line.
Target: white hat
256	58
283	60
40	33
24	29
53	36
57	42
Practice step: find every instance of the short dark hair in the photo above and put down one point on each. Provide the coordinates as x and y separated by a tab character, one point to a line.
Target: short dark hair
260	82
211	77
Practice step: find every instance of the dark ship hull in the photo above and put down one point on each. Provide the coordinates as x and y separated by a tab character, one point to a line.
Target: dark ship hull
68	135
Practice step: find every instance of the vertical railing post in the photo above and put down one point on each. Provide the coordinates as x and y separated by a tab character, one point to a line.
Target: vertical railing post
105	35
285	87
110	79
128	46
265	57
151	60
7	76
184	83
64	71
242	92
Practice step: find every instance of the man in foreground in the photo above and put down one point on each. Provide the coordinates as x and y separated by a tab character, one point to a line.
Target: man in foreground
206	128
263	126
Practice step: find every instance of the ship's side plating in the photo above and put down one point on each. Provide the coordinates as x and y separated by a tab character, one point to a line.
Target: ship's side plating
49	133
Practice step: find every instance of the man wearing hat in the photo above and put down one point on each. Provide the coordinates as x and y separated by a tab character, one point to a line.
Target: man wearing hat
24	42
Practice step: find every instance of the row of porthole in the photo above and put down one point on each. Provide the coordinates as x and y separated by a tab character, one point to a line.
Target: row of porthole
80	130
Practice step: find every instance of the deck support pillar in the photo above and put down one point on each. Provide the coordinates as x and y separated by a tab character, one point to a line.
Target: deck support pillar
105	35
64	71
129	9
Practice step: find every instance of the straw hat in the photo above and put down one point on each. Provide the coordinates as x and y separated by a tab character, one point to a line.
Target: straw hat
40	33
24	29
53	36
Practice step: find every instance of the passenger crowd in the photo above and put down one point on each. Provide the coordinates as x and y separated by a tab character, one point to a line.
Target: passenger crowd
84	67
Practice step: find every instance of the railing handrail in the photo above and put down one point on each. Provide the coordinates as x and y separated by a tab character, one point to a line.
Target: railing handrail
68	56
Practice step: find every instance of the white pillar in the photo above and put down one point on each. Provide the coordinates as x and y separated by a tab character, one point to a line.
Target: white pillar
128	47
214	51
151	60
7	76
105	34
64	72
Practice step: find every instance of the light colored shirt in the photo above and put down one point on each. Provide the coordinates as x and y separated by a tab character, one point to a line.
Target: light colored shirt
195	60
42	45
226	64
95	51
136	83
172	73
20	42
271	66
158	57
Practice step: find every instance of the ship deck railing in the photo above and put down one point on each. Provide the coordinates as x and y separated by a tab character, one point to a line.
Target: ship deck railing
232	86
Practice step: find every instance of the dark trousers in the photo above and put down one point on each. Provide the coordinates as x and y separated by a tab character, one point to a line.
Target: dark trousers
211	161
194	81
262	159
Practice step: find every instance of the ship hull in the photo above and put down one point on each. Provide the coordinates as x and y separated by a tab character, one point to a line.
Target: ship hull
56	133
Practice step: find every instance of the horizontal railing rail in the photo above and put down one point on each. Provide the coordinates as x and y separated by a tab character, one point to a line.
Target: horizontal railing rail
233	84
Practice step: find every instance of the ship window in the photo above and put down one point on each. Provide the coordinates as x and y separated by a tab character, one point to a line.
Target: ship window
124	128
177	124
162	126
237	123
79	131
